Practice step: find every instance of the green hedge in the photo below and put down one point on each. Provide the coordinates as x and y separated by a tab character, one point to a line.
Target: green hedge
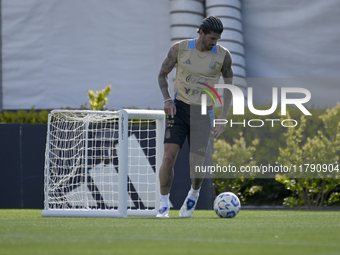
267	150
22	116
271	138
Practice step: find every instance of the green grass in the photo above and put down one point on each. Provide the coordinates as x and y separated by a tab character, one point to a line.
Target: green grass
251	232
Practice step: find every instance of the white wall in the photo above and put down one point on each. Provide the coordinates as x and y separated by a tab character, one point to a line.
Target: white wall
55	51
293	43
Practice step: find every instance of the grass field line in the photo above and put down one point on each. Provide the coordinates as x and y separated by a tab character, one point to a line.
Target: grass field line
139	238
15	218
288	215
253	216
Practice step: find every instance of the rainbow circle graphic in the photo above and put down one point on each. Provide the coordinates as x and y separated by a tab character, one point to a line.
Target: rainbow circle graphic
213	90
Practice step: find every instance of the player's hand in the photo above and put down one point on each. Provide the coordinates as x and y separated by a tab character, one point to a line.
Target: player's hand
219	129
170	108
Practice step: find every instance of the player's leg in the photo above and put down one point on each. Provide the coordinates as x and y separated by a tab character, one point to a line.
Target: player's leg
166	171
176	131
166	176
197	178
199	140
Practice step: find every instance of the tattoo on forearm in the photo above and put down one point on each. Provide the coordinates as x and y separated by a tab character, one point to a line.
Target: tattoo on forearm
167	66
164	86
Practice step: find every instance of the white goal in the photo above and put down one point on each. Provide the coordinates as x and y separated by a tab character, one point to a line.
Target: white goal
103	163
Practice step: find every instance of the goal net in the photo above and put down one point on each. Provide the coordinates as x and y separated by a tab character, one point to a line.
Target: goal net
103	163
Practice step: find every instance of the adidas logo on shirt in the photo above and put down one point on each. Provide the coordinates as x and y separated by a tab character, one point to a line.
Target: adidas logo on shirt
187	62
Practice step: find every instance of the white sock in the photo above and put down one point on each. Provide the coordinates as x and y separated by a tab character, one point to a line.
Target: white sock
164	201
194	193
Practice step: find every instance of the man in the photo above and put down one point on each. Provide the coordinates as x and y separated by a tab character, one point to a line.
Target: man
200	63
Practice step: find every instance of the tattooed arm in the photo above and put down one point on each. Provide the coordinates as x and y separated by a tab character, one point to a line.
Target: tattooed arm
227	73
167	65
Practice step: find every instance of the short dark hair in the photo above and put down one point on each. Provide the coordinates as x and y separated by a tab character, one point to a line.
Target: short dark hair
211	24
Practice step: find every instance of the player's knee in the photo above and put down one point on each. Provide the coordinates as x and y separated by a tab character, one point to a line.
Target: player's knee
169	160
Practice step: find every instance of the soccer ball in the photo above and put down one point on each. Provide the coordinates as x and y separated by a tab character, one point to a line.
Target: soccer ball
227	205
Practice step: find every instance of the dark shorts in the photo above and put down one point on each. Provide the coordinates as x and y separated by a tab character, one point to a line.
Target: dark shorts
189	122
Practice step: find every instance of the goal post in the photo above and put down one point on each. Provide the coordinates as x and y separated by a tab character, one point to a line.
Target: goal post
103	163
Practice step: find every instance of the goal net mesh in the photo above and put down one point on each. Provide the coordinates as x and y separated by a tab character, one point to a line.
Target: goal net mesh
82	155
